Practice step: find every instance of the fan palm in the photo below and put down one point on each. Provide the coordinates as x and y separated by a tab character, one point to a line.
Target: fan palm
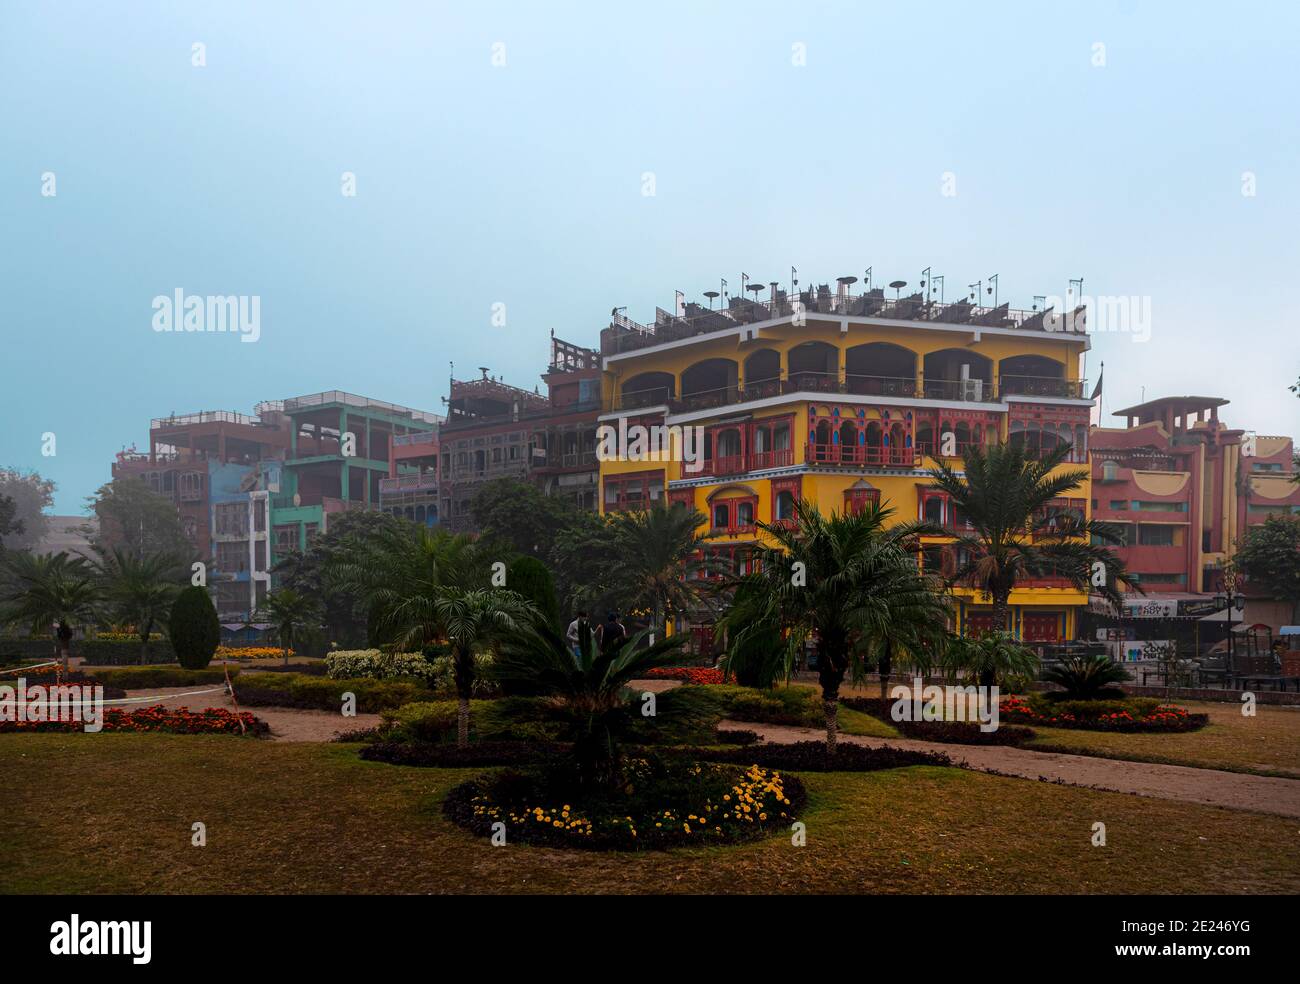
288	613
656	559
471	621
140	589
1006	498
992	655
43	591
852	580
589	684
1087	677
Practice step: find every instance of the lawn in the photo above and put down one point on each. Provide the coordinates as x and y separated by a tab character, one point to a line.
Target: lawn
1268	744
112	813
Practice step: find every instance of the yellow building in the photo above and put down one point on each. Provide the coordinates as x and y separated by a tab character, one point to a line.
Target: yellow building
840	399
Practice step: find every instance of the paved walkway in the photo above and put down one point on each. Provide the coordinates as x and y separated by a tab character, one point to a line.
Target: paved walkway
1233	790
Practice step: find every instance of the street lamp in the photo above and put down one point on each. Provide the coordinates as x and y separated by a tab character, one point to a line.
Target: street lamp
1228	600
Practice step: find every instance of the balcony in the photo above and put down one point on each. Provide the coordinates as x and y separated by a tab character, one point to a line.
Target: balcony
408	483
739	464
861	455
423	437
902	387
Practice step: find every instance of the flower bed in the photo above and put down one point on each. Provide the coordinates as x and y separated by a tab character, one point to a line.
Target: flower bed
250	652
663	805
950	732
179	720
1108	717
378	665
703	675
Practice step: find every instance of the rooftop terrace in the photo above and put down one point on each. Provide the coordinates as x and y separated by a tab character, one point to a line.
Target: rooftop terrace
626	335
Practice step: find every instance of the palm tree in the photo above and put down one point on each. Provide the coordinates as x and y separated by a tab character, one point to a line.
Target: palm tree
992	655
656	558
140	589
854	582
1006	498
289	613
44	591
471	621
590	686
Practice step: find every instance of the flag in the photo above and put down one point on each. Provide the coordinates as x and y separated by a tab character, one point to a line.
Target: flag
1096	390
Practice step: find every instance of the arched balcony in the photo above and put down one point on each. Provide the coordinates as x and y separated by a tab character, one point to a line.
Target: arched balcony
958	374
880	369
711	383
814	367
762	374
1034	375
648	389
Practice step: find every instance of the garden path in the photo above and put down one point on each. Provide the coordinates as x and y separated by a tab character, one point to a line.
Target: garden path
1233	790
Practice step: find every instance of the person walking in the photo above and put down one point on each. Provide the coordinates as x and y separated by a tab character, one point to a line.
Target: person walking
612	633
575	634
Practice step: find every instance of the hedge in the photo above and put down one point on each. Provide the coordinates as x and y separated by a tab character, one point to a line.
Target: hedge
148	677
323	694
120	652
23	650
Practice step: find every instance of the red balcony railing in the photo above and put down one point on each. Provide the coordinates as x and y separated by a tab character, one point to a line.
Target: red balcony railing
859	454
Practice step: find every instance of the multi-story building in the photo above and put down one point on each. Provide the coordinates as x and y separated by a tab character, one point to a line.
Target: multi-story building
339	453
186	451
842	399
494	430
1183	487
411	489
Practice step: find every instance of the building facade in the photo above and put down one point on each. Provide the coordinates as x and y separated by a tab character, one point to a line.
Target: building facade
1183	487
843	399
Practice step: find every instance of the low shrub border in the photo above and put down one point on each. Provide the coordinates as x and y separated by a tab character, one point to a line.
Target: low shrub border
668	804
49	676
322	694
442	756
120	652
949	732
148	677
180	721
810	756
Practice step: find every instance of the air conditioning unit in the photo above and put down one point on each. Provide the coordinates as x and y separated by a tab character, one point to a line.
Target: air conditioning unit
972	390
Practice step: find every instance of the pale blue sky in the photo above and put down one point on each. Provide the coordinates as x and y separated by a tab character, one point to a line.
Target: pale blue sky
522	184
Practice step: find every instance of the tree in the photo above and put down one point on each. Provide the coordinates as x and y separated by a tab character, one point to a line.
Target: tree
854	582
40	592
32	496
1269	556
10	525
138	521
591	688
344	613
520	515
289	614
655	559
193	628
472	620
141	590
1016	533
530	578
989	657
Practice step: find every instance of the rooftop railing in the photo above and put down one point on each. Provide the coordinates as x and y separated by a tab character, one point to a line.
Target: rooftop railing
626	335
299	403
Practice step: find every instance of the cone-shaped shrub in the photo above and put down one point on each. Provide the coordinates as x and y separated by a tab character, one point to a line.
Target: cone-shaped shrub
195	631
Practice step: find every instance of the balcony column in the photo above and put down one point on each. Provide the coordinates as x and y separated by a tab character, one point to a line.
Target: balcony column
841	368
920	378
997	392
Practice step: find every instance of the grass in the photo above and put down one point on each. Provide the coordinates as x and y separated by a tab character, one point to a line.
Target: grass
1267	744
113	813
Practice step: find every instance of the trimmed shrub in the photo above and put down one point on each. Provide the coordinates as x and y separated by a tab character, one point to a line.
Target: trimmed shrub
507	719
737	737
27	650
529	577
194	630
120	652
148	677
454	757
810	756
378	665
323	694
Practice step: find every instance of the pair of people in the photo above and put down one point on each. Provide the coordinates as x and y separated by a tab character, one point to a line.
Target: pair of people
612	633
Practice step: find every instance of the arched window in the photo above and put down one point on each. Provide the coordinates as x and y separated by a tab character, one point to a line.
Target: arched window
721	516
